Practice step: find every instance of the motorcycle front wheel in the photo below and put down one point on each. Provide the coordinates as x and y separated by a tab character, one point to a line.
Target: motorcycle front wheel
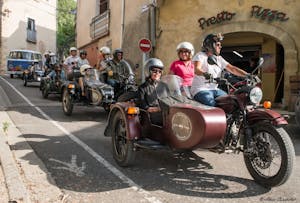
270	155
123	149
25	80
67	103
45	90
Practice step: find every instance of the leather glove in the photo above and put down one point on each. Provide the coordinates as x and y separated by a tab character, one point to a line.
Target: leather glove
207	76
248	76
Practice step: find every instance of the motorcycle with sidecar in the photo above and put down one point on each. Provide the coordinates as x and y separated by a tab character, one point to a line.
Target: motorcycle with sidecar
237	124
33	74
52	85
97	93
126	87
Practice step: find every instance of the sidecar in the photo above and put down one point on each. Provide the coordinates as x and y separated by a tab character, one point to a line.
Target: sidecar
51	86
186	125
33	74
97	93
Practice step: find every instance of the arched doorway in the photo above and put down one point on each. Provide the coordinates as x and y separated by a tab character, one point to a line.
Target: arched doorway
243	50
283	40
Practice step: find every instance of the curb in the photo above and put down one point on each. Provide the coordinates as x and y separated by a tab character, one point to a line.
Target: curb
25	182
15	186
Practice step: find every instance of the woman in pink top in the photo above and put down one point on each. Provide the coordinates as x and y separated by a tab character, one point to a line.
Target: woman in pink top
184	66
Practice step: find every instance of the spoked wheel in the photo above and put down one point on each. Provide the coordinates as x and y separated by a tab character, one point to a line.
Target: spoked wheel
25	80
297	110
270	155
123	149
67	103
45	90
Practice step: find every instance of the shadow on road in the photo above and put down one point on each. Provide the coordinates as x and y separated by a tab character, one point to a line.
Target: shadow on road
175	172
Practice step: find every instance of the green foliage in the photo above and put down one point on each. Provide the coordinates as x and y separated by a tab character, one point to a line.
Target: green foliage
65	25
5	126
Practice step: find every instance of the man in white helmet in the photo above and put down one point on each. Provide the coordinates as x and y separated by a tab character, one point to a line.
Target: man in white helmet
102	64
71	62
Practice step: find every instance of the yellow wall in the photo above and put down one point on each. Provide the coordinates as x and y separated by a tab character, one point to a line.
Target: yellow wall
177	21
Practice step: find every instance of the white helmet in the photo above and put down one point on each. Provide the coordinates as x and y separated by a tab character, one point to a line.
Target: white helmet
105	50
83	68
73	49
186	45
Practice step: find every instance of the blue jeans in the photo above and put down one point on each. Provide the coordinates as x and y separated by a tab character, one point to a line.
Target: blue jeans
207	97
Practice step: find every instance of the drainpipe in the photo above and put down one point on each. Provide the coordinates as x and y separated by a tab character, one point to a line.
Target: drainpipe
152	33
122	23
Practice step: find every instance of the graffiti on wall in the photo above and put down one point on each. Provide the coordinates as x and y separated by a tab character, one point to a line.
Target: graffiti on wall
219	18
268	14
256	12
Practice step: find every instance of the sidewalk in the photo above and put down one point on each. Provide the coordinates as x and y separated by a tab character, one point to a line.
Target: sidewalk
21	181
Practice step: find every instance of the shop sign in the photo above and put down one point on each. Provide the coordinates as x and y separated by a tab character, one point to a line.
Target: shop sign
268	14
219	18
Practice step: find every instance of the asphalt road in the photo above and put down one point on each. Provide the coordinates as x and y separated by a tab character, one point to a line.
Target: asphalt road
79	159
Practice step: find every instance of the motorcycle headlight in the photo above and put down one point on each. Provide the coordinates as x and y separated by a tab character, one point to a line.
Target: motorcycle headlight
255	95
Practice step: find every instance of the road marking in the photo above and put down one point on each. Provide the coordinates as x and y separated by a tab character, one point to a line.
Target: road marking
98	157
72	166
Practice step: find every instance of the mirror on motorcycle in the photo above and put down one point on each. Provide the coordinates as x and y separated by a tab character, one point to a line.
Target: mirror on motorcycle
212	60
260	62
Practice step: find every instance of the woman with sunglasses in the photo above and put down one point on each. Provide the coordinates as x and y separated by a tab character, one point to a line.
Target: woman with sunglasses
152	89
203	90
184	67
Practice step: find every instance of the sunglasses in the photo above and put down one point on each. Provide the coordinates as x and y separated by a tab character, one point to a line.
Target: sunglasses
184	51
219	45
156	71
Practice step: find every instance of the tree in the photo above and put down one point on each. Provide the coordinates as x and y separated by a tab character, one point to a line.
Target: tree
66	10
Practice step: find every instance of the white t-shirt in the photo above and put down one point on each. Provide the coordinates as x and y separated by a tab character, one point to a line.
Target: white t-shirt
82	62
71	59
199	82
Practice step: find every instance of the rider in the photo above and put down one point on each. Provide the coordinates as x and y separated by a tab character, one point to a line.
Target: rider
152	89
184	66
71	62
85	71
117	68
102	64
47	61
82	58
57	74
203	90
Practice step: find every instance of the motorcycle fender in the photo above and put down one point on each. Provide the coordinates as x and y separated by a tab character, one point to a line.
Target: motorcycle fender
133	126
266	115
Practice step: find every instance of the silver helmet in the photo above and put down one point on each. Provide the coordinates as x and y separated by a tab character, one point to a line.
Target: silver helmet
152	63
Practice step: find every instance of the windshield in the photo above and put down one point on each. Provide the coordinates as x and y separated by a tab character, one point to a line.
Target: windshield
92	76
174	83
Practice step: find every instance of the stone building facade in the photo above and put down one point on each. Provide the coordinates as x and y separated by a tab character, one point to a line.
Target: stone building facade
252	28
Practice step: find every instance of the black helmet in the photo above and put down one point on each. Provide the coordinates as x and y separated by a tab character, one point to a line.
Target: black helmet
82	52
210	42
115	53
